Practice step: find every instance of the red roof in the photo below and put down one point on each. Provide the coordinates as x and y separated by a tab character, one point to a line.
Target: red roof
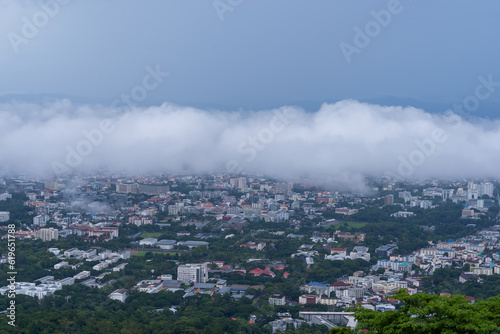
258	271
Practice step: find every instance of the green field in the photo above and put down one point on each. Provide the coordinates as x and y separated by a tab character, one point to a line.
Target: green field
150	235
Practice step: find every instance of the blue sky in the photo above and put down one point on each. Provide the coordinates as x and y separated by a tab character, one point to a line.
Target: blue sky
260	54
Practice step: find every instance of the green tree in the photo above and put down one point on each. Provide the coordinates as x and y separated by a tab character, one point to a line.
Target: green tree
424	313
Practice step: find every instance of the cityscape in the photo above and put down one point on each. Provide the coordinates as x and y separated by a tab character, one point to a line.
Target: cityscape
303	254
249	167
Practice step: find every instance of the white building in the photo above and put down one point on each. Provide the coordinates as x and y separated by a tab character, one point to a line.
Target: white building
197	273
30	289
277	300
403	214
148	242
60	265
120	267
41	220
82	275
5	196
120	295
486	189
4	216
100	266
72	252
47	234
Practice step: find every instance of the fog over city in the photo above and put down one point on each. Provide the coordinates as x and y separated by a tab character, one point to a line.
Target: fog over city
339	143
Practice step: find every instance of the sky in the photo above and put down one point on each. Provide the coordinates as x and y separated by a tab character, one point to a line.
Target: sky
250	54
330	89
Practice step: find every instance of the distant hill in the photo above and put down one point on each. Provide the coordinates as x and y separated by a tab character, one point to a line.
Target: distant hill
487	109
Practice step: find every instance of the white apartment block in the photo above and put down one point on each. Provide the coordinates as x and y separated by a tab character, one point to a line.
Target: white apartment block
47	234
197	273
41	220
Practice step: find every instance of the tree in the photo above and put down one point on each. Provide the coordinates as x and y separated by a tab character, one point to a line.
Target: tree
424	313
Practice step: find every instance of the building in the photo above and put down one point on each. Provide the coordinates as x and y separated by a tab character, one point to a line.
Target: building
125	188
153	189
4	216
111	232
403	214
82	275
89	253
100	266
308	299
386	250
166	244
66	281
351	236
239	182
389	200
192	244
486	189
41	220
339	251
47	234
277	300
346	211
196	273
30	289
120	295
61	265
148	242
72	252
5	196
253	245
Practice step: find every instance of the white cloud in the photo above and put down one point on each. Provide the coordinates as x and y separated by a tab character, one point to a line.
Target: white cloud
339	143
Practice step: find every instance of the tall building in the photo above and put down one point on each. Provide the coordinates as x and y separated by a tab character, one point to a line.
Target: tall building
4	216
238	182
197	273
47	234
41	220
389	200
486	188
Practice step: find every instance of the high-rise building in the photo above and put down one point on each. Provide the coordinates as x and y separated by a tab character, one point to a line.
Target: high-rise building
47	234
238	182
486	188
41	220
389	200
197	273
